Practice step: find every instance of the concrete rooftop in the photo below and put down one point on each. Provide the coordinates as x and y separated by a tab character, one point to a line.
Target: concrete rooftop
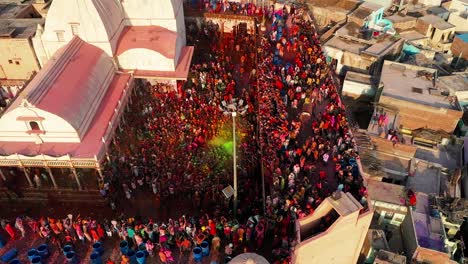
445	156
10	10
386	192
20	28
365	9
347	5
436	21
425	178
414	84
346	45
454	83
429	229
358	77
411	35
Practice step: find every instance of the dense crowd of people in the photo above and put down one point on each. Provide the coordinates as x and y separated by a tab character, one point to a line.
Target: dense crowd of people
225	6
303	122
168	146
167	241
174	143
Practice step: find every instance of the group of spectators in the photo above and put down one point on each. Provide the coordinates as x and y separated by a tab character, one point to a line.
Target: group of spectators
164	240
225	6
168	146
173	144
308	150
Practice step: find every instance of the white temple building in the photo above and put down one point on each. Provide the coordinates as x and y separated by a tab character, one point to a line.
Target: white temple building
144	36
90	52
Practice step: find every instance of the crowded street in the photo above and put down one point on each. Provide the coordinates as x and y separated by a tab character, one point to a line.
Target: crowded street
172	157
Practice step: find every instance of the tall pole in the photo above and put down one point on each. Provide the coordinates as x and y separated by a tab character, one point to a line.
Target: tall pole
259	127
234	158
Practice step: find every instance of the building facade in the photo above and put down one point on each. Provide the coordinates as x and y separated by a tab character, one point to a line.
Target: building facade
340	218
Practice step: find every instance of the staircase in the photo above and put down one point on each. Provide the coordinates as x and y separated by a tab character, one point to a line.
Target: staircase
363	141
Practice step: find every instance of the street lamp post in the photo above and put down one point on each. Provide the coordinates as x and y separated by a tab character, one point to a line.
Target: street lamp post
234	159
233	108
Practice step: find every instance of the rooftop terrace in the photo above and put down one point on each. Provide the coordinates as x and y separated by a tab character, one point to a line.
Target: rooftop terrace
19	28
428	224
386	192
414	84
436	21
425	178
365	9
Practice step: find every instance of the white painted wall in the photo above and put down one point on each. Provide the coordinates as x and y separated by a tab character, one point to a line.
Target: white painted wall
335	54
430	2
385	3
145	59
458	6
143	10
460	23
56	129
98	22
355	88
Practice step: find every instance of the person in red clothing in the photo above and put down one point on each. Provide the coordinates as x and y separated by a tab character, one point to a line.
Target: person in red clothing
100	232
322	175
9	229
94	234
411	198
212	225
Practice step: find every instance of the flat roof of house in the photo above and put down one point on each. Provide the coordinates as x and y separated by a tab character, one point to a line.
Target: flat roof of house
395	167
387	257
412	35
347	5
445	156
399	18
425	178
10	10
351	32
350	29
381	47
414	84
365	9
346	45
436	10
428	227
456	82
20	27
358	77
386	192
436	21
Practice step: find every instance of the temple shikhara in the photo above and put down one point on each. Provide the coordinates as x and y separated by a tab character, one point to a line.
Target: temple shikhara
91	52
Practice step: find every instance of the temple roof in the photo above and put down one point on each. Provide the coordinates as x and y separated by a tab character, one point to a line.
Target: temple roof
100	18
72	84
154	38
91	146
